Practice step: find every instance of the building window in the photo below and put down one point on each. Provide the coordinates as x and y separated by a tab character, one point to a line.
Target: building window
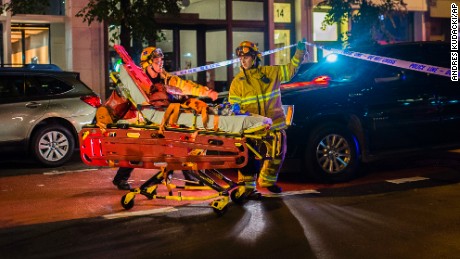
55	7
329	37
400	28
250	11
331	32
205	9
167	46
30	44
282	39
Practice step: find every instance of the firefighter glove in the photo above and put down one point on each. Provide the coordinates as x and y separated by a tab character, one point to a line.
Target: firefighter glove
301	45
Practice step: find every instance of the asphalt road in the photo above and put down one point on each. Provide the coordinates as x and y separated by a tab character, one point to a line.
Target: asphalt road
16	164
404	208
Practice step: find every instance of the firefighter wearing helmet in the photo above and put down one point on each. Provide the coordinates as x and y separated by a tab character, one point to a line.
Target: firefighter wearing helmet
152	62
256	89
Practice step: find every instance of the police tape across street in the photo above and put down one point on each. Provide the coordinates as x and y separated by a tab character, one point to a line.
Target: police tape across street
441	71
223	63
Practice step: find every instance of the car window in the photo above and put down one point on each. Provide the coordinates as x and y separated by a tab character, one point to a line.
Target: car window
11	86
45	85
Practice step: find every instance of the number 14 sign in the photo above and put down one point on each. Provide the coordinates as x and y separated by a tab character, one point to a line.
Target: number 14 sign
282	12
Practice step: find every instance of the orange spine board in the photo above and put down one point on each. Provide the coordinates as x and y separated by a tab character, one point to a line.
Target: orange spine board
136	73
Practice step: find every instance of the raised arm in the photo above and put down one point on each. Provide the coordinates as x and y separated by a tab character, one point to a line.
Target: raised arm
189	87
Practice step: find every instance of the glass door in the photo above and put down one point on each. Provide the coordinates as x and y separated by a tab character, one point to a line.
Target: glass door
216	45
188	52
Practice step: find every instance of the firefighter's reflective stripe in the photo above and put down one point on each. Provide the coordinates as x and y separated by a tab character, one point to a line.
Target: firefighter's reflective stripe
295	61
234	99
285	73
255	98
279	123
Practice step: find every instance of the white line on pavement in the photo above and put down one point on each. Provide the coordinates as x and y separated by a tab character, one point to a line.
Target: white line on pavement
139	213
173	209
290	193
67	172
407	180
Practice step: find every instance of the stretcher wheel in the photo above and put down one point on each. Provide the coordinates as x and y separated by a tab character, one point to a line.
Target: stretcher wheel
220	212
220	205
127	205
237	200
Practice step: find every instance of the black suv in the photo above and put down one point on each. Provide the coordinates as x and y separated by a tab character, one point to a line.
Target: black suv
42	109
349	111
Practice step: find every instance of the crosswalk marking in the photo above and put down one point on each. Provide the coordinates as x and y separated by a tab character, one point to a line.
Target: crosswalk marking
173	209
290	193
55	172
139	213
407	180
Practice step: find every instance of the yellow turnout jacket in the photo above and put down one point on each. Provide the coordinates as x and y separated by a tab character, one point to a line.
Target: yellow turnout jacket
249	90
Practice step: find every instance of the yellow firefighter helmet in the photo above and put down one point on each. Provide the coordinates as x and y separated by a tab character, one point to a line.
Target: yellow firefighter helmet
148	54
247	48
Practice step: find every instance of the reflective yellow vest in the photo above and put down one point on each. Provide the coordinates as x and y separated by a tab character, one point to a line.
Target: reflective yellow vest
257	90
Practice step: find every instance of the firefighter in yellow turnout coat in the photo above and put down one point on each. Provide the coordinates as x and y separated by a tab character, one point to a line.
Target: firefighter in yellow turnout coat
257	90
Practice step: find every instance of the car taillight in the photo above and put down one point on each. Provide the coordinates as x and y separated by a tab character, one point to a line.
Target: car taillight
322	80
92	100
317	81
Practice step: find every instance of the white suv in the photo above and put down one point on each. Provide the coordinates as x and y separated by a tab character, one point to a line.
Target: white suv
42	109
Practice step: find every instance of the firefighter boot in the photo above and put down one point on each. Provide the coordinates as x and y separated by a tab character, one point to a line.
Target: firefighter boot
247	188
269	175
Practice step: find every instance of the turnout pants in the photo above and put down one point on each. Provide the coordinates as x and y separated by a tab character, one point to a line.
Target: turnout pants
268	173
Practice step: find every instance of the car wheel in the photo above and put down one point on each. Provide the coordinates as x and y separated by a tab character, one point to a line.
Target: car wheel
53	145
332	154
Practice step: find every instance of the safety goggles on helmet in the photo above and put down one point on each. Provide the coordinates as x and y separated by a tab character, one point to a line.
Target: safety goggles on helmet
157	53
246	48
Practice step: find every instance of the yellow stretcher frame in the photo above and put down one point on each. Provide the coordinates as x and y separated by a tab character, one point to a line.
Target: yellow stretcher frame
95	147
95	150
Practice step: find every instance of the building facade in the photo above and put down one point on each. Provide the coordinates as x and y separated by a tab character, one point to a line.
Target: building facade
205	32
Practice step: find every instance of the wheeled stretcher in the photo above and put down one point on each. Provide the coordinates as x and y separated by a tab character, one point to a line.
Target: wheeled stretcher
199	152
